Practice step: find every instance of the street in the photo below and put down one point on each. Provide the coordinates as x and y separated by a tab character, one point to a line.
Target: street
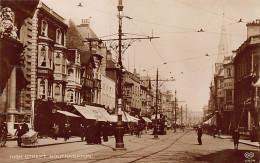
173	147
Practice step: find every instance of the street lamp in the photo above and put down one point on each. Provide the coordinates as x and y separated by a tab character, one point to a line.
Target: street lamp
120	126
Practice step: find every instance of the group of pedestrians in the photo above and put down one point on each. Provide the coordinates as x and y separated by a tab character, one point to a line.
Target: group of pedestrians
235	136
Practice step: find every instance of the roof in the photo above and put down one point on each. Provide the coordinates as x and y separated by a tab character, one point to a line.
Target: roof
85	57
86	31
73	37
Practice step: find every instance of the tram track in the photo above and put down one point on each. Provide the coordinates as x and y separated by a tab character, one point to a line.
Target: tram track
139	149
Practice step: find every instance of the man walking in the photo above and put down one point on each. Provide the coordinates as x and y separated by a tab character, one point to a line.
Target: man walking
3	134
236	137
199	132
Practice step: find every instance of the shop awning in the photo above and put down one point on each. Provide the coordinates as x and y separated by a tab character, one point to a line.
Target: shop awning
125	117
95	111
211	121
67	113
146	119
85	112
106	115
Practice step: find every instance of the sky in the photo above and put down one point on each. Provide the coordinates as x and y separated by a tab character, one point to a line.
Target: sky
180	50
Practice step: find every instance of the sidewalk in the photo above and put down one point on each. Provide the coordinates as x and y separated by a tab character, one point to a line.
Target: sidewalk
46	141
243	141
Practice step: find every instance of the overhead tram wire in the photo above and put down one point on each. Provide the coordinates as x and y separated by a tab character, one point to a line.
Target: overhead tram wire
164	63
217	14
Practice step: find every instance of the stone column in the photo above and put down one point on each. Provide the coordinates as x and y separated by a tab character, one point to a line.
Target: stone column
11	100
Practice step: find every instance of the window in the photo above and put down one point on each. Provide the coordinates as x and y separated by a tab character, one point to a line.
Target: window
63	65
44	29
57	63
42	91
43	57
70	96
49	89
50	57
57	91
70	72
228	96
58	36
228	72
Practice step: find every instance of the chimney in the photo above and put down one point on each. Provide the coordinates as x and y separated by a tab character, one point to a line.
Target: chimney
253	28
85	22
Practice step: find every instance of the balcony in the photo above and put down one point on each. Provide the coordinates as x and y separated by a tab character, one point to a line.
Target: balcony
45	71
86	82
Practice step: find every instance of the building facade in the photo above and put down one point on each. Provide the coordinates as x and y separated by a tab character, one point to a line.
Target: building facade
15	61
246	64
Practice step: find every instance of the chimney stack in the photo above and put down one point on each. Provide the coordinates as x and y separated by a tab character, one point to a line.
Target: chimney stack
253	28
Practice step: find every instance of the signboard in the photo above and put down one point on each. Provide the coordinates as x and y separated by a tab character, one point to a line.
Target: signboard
220	93
228	84
228	108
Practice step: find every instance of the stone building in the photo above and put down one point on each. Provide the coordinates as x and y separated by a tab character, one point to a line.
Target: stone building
247	83
16	61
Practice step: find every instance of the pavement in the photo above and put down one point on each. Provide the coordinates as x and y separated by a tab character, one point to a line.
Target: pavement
242	141
49	141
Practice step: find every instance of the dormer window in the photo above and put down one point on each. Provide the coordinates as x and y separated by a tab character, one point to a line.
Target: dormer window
58	36
44	30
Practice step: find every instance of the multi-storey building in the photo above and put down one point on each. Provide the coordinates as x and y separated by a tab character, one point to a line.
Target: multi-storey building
92	45
15	61
73	87
108	93
246	64
132	100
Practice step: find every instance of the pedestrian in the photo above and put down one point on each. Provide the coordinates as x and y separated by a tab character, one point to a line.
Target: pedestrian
3	133
105	132
66	132
19	134
55	131
199	133
82	131
25	128
236	137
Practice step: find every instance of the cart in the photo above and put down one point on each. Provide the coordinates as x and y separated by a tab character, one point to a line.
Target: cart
30	139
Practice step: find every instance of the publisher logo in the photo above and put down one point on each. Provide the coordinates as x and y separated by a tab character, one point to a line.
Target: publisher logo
249	156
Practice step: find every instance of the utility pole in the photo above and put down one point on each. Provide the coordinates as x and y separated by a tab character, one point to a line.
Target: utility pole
119	71
155	131
181	114
175	108
156	109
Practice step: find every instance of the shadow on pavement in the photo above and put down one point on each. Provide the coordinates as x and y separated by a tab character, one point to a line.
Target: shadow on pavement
230	156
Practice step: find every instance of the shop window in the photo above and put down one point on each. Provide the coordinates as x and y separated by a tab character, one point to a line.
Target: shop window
44	30
43	57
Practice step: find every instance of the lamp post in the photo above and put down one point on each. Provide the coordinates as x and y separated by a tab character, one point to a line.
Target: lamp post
119	127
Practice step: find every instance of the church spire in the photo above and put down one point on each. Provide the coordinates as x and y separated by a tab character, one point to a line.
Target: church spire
223	42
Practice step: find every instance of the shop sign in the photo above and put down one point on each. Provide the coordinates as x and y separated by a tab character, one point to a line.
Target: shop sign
228	84
220	93
228	107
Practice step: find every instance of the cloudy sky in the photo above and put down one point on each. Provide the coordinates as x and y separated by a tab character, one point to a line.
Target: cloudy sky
180	46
